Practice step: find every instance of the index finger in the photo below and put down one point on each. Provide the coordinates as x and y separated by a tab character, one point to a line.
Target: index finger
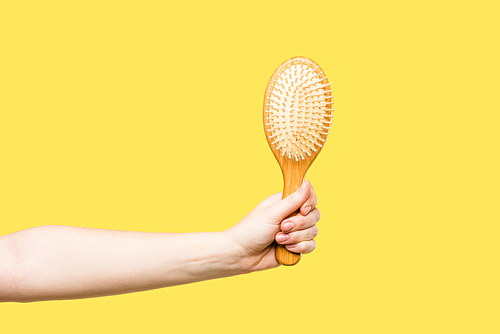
310	203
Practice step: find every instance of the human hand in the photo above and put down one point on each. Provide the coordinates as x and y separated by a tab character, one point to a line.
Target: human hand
68	262
266	223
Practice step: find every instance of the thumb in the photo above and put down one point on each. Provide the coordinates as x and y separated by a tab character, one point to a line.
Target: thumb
292	203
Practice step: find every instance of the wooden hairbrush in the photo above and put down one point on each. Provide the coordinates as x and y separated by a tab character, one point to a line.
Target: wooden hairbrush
298	110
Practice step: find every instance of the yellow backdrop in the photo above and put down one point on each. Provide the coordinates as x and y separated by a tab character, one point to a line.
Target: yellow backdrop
147	116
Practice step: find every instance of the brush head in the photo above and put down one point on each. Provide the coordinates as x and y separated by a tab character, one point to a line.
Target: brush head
298	109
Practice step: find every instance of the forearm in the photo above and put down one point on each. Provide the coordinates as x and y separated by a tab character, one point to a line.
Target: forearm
63	262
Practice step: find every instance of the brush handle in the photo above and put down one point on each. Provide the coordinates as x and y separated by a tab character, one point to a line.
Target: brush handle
283	255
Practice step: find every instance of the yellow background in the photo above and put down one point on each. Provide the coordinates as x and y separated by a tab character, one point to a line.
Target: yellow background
147	116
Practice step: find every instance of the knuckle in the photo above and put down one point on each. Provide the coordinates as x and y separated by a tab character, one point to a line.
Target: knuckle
318	214
298	222
313	245
288	200
314	200
299	248
301	236
315	231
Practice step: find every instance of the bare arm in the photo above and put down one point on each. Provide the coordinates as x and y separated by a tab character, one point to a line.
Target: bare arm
65	262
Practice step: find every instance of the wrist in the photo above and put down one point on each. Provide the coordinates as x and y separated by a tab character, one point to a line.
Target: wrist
243	257
235	256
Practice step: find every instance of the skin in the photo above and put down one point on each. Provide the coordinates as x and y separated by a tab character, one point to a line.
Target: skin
66	262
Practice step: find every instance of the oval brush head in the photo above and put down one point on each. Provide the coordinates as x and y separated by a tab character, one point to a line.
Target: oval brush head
298	110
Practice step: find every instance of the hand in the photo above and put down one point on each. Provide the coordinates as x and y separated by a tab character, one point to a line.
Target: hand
256	232
68	262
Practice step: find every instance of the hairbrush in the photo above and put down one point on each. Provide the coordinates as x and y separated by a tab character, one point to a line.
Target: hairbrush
298	110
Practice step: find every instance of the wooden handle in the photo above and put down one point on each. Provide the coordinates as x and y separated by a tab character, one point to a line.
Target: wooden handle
285	257
292	182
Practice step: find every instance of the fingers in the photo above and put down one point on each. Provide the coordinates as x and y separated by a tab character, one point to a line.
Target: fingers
297	233
297	237
300	222
310	203
304	247
290	204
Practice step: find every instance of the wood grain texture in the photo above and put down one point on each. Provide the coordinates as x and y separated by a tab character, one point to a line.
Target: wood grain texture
293	171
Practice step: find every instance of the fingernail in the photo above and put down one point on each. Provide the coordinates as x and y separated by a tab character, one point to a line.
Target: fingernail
303	187
306	210
287	227
282	237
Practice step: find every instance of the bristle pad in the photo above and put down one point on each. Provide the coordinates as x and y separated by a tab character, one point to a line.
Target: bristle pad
299	109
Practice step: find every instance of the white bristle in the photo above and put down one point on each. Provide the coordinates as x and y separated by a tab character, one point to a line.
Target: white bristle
299	110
